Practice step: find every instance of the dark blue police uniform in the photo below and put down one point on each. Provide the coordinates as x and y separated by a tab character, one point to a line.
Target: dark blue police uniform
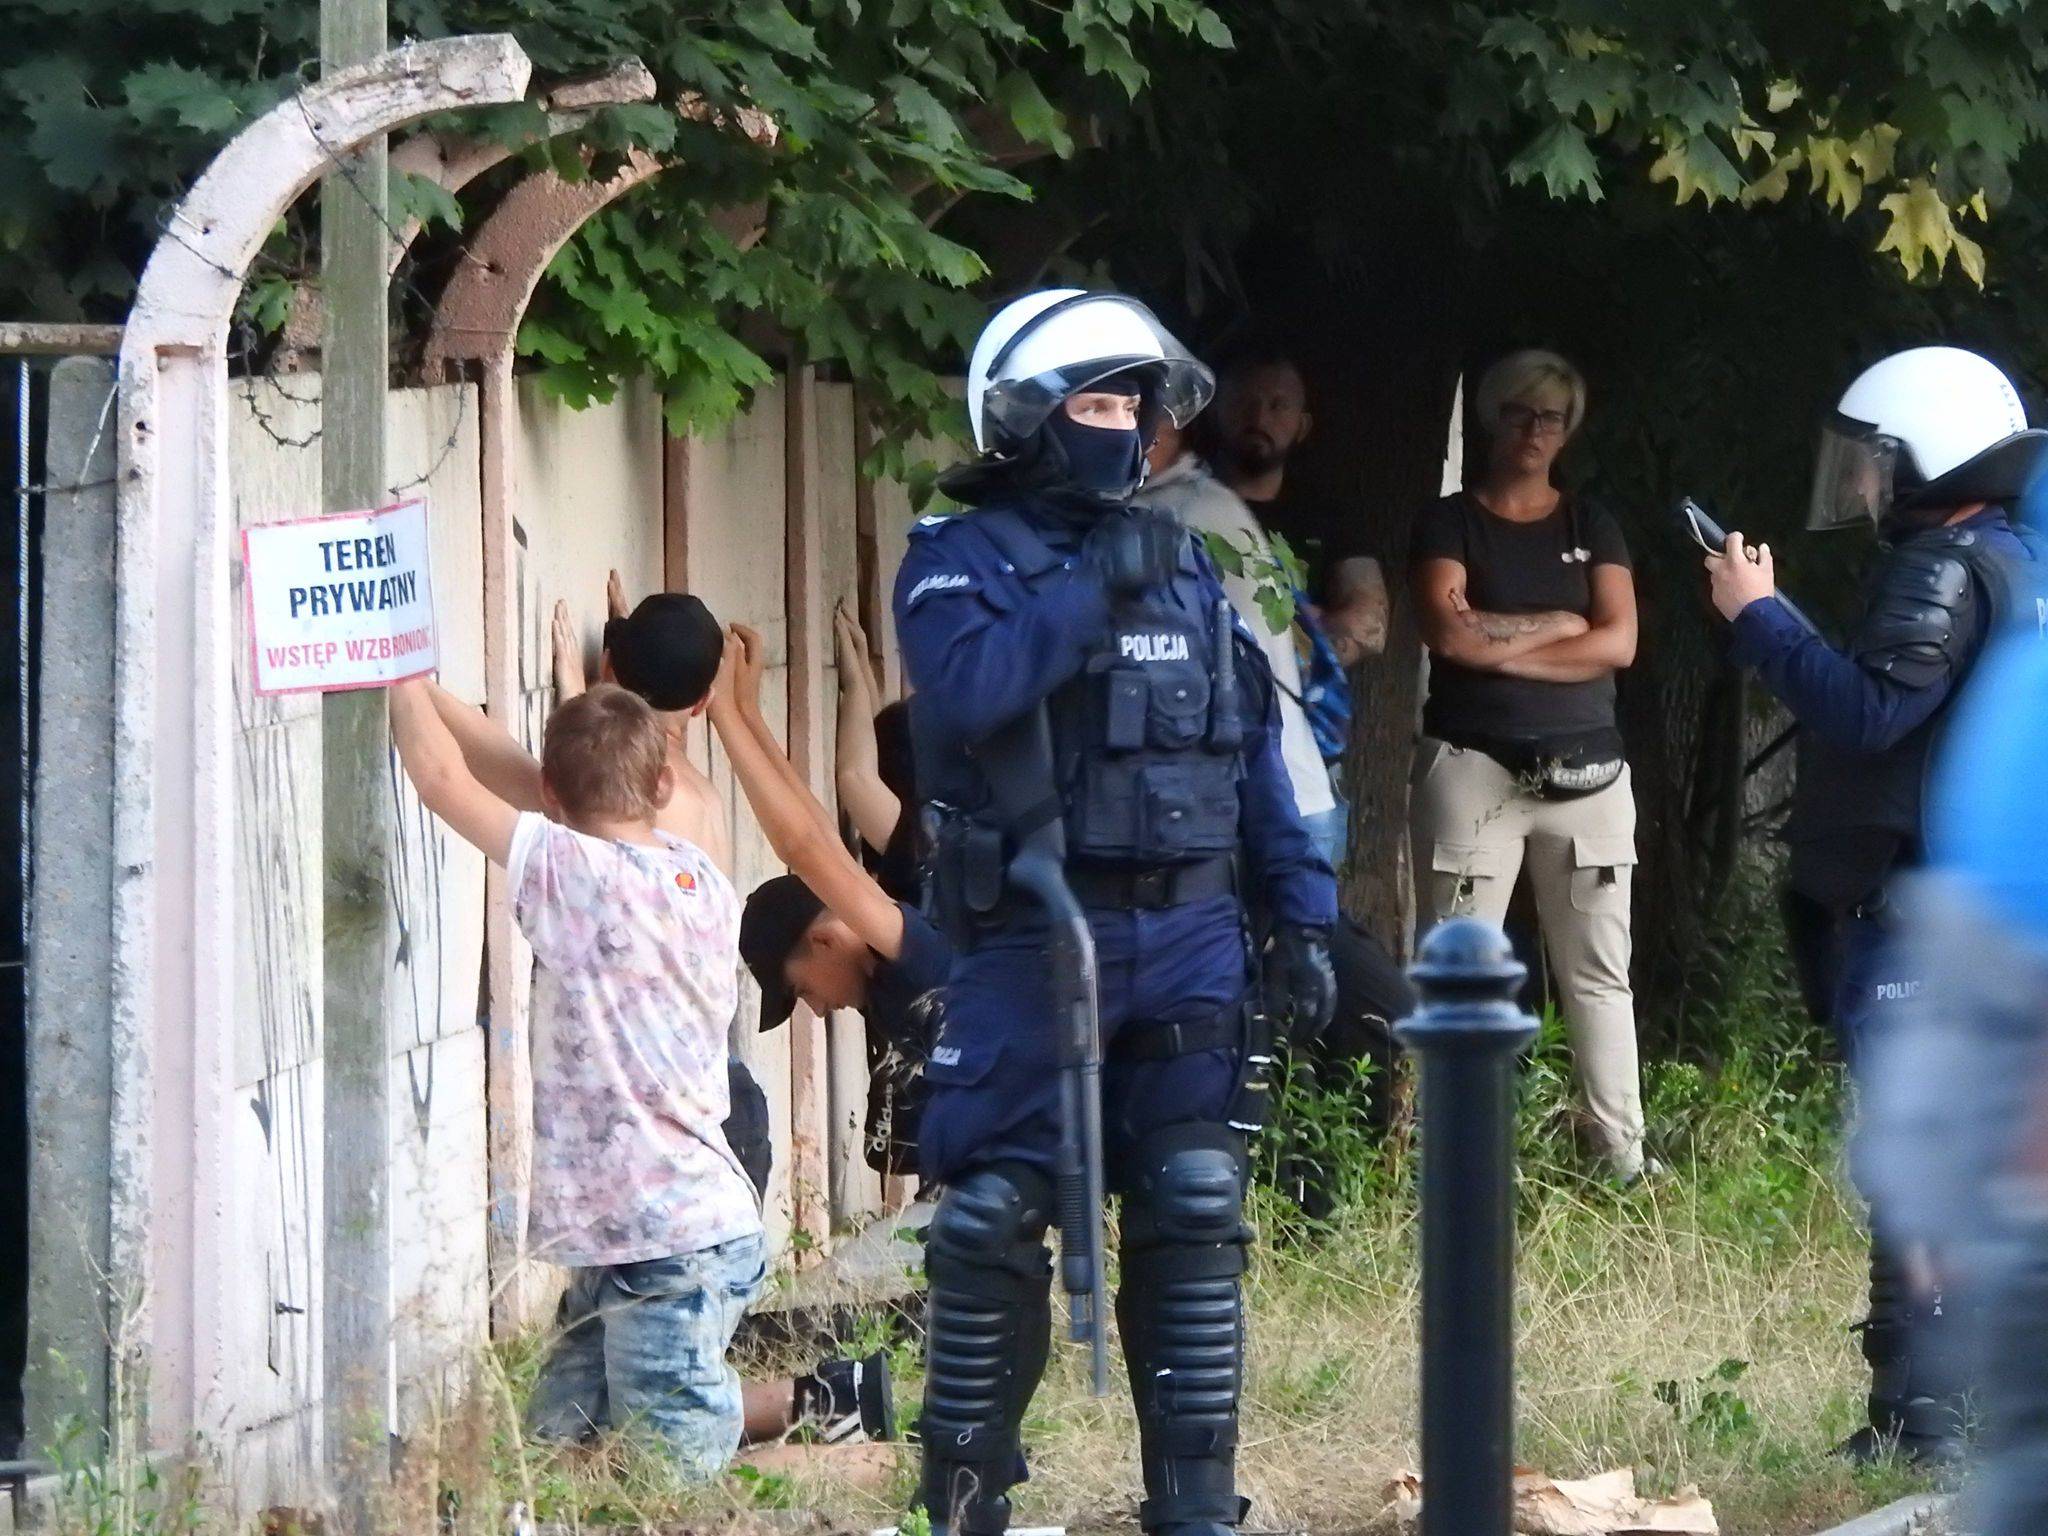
1176	805
991	624
1871	721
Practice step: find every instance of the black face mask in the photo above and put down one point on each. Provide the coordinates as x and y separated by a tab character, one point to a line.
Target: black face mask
1107	461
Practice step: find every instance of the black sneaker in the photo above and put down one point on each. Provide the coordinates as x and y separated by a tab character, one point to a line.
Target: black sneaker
849	1399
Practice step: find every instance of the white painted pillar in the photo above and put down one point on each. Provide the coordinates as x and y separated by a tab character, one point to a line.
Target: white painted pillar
173	1026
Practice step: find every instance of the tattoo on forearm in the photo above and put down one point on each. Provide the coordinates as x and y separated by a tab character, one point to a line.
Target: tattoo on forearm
1505	628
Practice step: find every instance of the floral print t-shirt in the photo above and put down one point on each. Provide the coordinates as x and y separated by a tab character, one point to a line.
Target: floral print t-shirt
638	978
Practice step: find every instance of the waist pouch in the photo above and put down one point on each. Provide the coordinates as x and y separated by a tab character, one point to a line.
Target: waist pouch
1555	767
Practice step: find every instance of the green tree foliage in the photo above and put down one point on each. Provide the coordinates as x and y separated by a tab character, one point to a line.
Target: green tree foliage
1720	210
107	112
1912	118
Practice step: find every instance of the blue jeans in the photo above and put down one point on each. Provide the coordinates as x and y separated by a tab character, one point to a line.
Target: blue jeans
1331	832
641	1347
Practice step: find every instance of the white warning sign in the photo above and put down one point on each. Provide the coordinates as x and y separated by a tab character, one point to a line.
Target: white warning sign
340	602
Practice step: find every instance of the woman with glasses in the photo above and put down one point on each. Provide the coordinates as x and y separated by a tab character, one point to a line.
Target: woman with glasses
1526	601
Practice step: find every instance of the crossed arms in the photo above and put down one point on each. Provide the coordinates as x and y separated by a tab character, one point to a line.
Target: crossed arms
1553	647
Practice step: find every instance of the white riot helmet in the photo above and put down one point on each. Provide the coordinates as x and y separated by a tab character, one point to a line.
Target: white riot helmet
1930	427
1042	348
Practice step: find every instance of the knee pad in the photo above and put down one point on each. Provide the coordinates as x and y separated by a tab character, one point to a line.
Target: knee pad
1186	1190
993	1218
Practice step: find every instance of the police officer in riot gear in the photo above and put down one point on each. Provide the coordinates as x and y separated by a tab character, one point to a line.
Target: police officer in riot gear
1053	594
1932	446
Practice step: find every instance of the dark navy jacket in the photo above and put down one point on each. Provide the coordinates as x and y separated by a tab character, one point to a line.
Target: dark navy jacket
1832	695
983	644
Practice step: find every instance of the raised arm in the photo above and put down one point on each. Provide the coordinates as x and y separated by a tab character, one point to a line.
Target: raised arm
857	763
499	762
739	682
434	763
570	678
796	826
1455	630
1608	646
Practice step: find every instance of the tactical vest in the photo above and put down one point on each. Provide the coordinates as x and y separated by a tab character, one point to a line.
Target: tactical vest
1857	816
1148	742
1149	736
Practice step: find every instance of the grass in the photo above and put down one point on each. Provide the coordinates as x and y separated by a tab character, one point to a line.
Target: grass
1694	1328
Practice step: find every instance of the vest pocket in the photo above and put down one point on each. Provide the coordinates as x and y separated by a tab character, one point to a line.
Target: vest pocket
1190	808
1125	705
1179	713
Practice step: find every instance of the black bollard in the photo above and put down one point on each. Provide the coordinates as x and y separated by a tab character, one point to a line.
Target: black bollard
1466	1034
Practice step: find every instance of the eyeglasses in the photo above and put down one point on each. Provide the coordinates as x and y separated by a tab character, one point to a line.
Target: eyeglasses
1526	418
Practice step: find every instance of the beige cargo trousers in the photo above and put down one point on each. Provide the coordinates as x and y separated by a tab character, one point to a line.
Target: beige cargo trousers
1474	828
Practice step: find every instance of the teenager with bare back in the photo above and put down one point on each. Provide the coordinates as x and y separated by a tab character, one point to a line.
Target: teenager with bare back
666	651
827	933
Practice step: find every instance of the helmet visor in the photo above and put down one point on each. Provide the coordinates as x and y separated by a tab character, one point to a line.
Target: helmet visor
1179	386
1852	475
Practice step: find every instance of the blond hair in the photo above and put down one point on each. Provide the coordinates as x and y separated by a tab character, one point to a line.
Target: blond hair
602	754
1520	375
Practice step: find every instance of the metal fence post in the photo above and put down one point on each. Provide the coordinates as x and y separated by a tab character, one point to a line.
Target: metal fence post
1466	1034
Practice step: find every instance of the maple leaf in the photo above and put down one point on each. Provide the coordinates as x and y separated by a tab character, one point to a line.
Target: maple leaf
1748	136
1772	186
1561	157
1831	162
1698	168
1873	151
1923	230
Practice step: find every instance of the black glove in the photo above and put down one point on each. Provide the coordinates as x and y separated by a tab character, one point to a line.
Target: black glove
1300	984
1137	549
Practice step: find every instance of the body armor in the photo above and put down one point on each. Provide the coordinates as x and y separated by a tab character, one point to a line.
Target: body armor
1856	815
1148	741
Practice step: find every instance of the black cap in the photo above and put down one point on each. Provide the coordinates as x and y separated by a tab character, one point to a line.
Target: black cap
667	650
778	915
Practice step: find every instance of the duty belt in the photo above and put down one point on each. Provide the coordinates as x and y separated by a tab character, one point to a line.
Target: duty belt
1151	887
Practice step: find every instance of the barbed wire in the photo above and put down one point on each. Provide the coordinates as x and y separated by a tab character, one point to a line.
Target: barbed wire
257	385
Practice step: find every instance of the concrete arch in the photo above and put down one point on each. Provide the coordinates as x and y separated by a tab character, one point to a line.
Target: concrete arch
452	161
173	1003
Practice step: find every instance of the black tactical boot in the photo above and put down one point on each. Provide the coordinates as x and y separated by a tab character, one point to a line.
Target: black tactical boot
1919	1401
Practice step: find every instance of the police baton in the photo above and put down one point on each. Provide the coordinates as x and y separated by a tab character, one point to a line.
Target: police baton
1018	764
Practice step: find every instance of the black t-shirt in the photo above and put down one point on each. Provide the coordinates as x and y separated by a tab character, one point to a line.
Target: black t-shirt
902	1020
1322	534
1512	567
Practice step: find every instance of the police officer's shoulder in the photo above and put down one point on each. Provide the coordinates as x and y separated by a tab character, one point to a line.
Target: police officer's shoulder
1921	616
973	551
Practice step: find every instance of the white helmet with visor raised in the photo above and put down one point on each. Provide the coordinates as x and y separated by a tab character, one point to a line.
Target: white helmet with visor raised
1046	346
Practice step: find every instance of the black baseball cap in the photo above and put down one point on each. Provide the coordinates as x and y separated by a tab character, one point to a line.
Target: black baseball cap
777	916
667	650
